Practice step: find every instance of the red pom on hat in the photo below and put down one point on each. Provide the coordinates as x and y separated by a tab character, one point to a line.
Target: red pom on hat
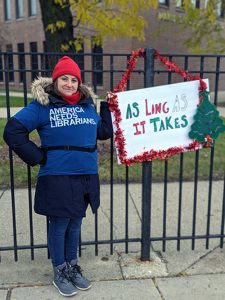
66	66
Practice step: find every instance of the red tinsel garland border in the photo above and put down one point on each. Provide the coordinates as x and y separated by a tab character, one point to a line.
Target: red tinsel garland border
114	107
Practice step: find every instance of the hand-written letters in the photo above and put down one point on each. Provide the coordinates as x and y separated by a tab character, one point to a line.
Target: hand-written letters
161	115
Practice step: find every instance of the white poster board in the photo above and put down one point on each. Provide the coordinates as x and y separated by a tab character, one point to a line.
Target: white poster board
157	118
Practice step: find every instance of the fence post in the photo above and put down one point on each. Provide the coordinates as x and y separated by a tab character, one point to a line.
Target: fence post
147	171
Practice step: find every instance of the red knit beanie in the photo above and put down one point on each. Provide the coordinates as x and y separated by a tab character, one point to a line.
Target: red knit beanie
65	66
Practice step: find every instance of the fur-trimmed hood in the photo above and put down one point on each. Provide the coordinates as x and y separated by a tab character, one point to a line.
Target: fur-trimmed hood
38	90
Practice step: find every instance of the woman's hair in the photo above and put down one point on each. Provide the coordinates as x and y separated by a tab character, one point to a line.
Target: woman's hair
86	92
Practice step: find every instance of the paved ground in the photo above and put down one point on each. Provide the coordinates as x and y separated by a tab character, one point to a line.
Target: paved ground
169	275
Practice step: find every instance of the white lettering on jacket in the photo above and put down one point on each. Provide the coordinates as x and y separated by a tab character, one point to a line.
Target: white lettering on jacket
68	116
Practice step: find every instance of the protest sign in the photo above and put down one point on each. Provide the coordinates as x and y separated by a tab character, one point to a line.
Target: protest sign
156	121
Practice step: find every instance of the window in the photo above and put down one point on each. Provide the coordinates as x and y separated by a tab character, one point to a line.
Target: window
34	60
195	3
32	7
164	2
219	8
9	62
97	63
179	3
222	14
21	61
19	9
7	6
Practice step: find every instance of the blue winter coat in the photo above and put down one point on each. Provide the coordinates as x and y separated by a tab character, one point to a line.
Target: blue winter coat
68	179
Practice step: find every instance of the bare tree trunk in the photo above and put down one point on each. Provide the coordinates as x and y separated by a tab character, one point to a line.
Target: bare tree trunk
50	14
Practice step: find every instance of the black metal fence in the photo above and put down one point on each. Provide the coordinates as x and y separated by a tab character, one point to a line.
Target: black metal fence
196	207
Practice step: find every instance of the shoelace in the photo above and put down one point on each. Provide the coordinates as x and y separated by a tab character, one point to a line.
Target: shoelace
76	270
63	276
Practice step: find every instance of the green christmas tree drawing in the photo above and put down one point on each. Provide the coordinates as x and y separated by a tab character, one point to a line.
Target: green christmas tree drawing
207	124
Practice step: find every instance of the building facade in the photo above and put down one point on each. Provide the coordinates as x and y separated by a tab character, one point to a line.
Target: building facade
22	32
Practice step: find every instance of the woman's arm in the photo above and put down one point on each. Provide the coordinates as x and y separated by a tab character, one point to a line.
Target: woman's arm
17	138
105	129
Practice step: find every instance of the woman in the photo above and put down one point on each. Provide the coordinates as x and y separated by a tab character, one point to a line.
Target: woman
64	115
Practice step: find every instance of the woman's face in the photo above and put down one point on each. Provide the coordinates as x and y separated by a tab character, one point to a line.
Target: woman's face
67	85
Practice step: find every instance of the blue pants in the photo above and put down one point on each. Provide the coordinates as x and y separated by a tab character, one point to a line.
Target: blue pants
63	239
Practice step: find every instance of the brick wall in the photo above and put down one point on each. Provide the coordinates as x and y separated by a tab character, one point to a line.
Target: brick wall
30	29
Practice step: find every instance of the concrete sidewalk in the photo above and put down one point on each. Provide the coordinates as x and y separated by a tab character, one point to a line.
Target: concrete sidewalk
169	275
